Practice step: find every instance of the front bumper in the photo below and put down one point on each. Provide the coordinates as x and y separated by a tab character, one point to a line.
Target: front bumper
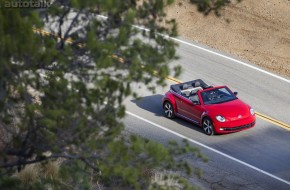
234	126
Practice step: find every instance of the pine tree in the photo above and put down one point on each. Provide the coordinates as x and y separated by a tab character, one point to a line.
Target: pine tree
65	71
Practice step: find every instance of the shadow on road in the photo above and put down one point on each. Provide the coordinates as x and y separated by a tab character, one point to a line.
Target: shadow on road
151	103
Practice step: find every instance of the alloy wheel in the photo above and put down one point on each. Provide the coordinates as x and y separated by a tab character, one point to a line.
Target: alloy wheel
168	110
208	126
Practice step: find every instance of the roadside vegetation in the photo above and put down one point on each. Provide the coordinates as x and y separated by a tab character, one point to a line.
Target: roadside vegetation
62	92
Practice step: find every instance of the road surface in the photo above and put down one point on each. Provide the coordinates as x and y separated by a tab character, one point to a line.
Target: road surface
258	158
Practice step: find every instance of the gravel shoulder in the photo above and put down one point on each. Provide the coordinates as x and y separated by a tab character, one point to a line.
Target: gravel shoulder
257	31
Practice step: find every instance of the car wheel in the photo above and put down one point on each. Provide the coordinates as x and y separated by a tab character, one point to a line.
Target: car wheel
168	110
208	126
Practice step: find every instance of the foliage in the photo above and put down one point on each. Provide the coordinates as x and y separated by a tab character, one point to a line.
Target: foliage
208	6
63	92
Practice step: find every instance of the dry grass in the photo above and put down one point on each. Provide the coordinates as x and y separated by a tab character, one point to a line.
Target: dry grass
33	173
51	169
166	180
29	175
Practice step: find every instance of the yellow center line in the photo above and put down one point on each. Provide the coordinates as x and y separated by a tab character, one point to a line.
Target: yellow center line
274	121
172	79
261	116
46	33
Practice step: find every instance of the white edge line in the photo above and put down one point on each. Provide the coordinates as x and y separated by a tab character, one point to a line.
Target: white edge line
221	55
213	52
209	148
232	59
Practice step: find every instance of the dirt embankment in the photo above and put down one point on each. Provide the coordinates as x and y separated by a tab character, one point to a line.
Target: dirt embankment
258	31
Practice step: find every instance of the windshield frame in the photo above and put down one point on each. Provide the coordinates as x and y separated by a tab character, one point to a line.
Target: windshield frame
214	93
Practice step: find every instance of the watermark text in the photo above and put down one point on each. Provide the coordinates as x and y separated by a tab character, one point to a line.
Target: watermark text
37	4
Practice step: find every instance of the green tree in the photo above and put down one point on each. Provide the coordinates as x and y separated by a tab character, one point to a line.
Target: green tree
61	92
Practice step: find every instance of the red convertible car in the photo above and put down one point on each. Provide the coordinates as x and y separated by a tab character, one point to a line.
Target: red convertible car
217	109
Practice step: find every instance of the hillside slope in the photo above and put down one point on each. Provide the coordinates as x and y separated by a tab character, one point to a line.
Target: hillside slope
258	31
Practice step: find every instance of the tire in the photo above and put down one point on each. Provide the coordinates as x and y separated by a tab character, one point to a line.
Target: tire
207	126
168	110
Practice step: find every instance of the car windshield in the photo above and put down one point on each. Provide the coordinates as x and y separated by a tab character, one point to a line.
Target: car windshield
217	96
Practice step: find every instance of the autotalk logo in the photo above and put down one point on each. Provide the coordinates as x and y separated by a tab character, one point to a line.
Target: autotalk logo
26	3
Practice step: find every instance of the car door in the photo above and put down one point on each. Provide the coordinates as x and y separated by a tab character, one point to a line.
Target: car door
180	103
193	111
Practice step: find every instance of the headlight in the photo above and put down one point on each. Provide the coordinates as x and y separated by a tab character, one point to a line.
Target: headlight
252	111
220	118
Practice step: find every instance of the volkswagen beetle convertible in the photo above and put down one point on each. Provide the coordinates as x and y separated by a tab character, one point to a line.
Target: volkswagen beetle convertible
215	108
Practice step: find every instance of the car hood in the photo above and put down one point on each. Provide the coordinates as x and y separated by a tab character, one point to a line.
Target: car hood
231	110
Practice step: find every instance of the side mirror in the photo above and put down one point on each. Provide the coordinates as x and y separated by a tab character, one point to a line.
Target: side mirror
195	102
236	93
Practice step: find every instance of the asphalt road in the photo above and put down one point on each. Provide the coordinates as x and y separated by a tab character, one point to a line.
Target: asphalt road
252	159
258	158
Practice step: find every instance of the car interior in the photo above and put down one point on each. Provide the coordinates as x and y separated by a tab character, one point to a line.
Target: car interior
190	91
